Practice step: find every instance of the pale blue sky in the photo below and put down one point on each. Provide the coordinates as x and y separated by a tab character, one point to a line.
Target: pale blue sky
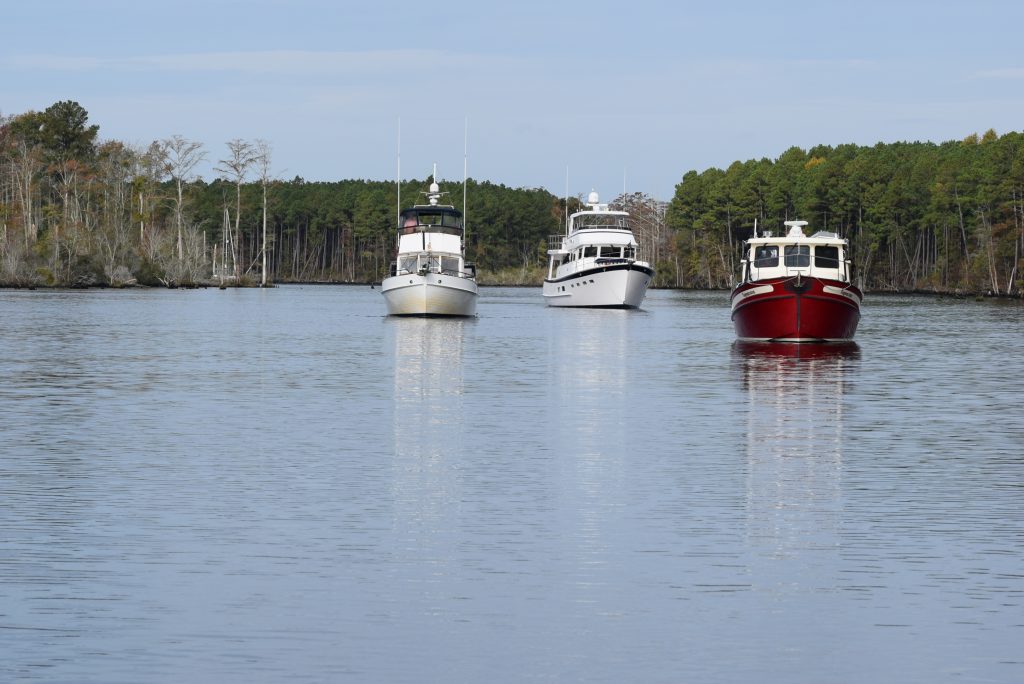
645	90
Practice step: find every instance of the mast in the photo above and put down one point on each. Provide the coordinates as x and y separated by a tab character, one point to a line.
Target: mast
398	175
567	199
465	168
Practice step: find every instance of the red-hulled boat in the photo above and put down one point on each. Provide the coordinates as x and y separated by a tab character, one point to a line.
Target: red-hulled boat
796	289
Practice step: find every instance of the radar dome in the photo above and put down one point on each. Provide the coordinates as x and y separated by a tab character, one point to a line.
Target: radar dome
592	198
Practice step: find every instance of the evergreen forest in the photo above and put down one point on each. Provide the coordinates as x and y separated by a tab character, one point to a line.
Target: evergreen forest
80	211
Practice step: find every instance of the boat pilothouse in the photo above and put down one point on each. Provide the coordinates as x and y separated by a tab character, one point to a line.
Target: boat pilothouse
430	276
595	263
796	288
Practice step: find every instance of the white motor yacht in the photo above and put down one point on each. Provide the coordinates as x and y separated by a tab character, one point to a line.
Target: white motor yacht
594	264
430	276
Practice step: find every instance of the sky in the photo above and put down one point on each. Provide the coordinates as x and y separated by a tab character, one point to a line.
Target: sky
568	96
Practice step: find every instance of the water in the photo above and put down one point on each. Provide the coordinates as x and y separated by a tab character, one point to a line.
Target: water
259	486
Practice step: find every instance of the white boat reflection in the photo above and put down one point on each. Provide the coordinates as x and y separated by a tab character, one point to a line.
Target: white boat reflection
428	416
794	439
589	419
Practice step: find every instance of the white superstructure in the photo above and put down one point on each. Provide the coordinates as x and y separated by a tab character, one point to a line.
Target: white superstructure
430	276
595	264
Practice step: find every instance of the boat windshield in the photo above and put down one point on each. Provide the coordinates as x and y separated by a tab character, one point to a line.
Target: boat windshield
601	220
448	220
766	256
798	255
826	256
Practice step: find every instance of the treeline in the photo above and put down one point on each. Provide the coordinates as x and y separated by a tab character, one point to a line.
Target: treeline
919	216
78	211
344	231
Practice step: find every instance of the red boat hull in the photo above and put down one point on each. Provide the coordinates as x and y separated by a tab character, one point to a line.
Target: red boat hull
796	310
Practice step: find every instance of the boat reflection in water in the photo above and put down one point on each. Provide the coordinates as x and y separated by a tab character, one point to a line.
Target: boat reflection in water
428	416
590	410
794	443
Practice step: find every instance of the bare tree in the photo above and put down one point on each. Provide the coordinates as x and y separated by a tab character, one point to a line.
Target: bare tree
150	168
25	164
242	155
115	168
263	154
182	156
647	215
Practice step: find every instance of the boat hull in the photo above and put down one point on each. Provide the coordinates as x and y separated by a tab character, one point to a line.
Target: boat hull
621	286
432	294
796	310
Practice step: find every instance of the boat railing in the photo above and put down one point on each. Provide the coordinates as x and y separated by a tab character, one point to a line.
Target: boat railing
469	273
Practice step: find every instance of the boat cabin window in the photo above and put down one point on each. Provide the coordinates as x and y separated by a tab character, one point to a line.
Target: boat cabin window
450	265
407	264
826	256
766	256
589	252
798	255
613	251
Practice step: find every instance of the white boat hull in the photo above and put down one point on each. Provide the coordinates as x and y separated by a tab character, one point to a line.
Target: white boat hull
619	287
432	294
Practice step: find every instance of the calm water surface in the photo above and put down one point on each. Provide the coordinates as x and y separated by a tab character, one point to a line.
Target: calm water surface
285	485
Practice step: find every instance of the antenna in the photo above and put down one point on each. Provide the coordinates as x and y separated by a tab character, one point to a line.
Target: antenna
435	189
398	176
465	168
623	184
566	199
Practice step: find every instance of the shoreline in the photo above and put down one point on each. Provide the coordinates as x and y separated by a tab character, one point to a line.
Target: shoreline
955	294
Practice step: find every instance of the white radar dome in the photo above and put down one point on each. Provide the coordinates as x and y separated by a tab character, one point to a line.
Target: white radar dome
592	198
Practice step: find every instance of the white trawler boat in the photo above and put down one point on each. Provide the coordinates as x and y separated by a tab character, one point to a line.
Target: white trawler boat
430	276
595	263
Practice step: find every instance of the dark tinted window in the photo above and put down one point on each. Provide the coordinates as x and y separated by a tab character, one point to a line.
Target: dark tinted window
766	256
826	257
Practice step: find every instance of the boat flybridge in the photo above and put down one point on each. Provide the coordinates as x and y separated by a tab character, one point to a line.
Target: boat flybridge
430	276
595	264
796	288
